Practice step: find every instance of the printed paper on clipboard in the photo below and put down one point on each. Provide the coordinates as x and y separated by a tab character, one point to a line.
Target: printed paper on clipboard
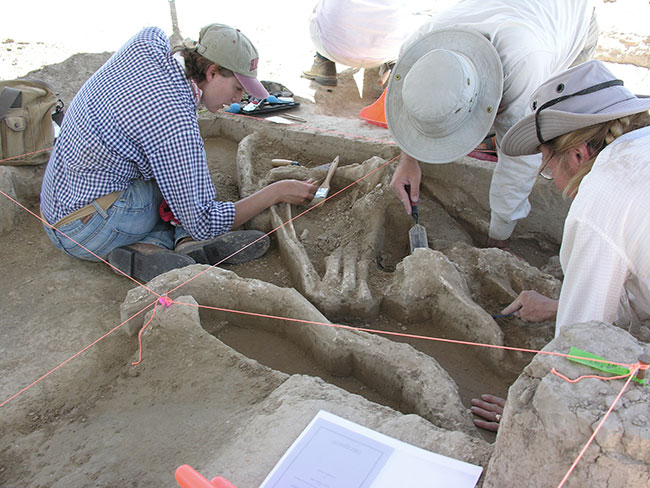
333	452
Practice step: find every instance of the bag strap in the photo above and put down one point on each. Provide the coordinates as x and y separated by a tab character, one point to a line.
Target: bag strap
10	98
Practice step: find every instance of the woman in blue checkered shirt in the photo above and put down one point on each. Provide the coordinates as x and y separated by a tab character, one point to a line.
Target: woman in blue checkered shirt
130	142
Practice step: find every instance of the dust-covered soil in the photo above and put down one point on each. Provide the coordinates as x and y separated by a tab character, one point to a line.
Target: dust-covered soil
75	412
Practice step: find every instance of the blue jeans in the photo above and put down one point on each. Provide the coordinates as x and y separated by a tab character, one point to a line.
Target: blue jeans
132	218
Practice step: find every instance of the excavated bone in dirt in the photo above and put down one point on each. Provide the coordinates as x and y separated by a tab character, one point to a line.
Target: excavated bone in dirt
498	276
343	289
495	279
397	371
427	286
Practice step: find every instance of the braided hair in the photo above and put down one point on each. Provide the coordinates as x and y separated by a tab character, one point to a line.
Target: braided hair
596	137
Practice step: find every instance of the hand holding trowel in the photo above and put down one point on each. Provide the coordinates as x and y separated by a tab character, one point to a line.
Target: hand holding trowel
417	233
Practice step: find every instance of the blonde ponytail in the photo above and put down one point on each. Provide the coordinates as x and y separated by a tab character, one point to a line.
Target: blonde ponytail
596	137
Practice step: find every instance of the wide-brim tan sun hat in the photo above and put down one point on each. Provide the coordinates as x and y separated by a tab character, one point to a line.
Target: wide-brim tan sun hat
585	95
443	94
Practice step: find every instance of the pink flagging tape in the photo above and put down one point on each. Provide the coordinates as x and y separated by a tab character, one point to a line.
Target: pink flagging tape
27	154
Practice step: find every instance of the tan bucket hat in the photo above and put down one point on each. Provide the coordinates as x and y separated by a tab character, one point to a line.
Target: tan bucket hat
443	94
231	49
584	95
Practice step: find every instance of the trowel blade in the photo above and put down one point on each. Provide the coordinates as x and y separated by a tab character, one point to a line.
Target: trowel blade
418	237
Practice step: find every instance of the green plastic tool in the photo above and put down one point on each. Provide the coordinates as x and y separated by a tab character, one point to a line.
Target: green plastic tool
610	368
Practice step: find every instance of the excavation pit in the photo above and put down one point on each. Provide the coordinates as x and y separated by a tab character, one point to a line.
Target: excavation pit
350	258
254	382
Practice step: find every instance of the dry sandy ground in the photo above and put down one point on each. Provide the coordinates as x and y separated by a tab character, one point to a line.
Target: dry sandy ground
53	306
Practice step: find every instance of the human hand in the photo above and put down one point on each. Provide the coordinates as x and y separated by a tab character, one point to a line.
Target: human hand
499	244
294	192
490	408
531	306
408	172
504	245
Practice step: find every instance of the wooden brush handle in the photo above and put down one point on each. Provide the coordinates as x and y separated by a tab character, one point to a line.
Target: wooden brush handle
330	173
284	162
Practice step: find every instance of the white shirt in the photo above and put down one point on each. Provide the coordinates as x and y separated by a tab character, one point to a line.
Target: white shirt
535	40
606	245
361	33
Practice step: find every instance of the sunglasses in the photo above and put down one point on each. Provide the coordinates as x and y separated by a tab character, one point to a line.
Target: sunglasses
545	171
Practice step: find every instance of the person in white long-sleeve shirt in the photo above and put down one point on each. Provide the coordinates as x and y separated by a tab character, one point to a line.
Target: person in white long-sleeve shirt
601	157
594	136
532	41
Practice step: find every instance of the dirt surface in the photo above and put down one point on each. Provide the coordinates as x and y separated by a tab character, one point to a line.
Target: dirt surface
65	365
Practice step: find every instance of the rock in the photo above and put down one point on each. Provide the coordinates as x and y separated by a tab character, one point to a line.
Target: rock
625	48
8	209
547	420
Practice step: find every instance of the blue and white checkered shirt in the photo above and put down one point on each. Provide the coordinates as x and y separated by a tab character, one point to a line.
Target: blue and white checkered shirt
135	118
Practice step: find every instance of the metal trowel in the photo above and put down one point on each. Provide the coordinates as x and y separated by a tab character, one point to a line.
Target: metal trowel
417	233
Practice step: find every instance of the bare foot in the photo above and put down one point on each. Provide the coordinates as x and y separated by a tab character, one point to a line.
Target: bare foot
490	408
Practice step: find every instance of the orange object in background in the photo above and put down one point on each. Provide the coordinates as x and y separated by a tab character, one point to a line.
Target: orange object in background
187	477
375	113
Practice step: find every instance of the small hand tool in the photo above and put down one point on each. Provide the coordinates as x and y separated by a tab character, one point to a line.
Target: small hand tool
293	117
324	188
284	162
417	233
502	315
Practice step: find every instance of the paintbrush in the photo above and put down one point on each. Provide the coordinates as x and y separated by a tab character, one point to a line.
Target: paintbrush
324	188
284	162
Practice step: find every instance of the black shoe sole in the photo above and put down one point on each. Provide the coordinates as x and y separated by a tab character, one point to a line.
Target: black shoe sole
145	267
218	249
321	80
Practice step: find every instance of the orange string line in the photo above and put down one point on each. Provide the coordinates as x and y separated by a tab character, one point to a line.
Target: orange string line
153	313
399	334
580	378
82	247
73	356
600	424
166	302
27	154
